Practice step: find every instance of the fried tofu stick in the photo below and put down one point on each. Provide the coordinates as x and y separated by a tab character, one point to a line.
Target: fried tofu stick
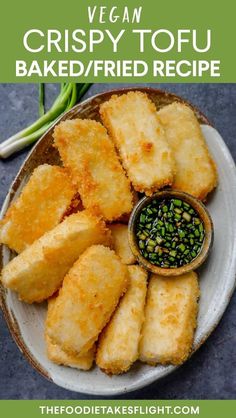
89	154
121	244
195	169
118	343
170	319
131	120
39	208
87	299
58	356
38	271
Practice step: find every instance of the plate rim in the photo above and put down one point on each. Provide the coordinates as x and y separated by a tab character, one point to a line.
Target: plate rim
10	319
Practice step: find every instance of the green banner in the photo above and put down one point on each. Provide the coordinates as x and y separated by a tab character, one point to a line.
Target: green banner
118	41
105	408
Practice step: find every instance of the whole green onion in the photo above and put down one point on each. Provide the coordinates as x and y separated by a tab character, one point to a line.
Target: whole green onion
69	95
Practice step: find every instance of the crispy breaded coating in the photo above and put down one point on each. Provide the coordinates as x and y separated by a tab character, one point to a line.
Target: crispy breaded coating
89	154
87	299
119	341
195	169
121	244
125	218
170	319
58	356
38	271
131	120
39	208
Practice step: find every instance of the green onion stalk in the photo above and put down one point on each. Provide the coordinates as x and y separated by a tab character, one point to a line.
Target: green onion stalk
69	95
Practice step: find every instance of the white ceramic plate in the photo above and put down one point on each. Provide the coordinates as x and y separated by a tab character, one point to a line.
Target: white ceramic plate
217	281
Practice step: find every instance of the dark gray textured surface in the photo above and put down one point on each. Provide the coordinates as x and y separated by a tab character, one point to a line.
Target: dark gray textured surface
211	372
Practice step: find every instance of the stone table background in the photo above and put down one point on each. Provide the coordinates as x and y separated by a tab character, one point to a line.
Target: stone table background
211	372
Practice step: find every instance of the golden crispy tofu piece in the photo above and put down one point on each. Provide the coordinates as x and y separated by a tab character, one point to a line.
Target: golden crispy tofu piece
195	169
58	356
39	208
89	154
131	120
87	299
125	218
121	244
38	271
170	319
119	341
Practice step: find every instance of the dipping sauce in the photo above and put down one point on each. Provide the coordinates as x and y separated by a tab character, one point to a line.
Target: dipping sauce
169	233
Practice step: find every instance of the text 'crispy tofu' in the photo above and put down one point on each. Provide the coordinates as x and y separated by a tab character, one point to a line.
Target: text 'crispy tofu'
38	271
39	208
131	120
170	319
195	169
87	299
118	343
89	154
121	244
58	356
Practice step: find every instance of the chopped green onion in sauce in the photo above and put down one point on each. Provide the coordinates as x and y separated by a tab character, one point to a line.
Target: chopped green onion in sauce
169	233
